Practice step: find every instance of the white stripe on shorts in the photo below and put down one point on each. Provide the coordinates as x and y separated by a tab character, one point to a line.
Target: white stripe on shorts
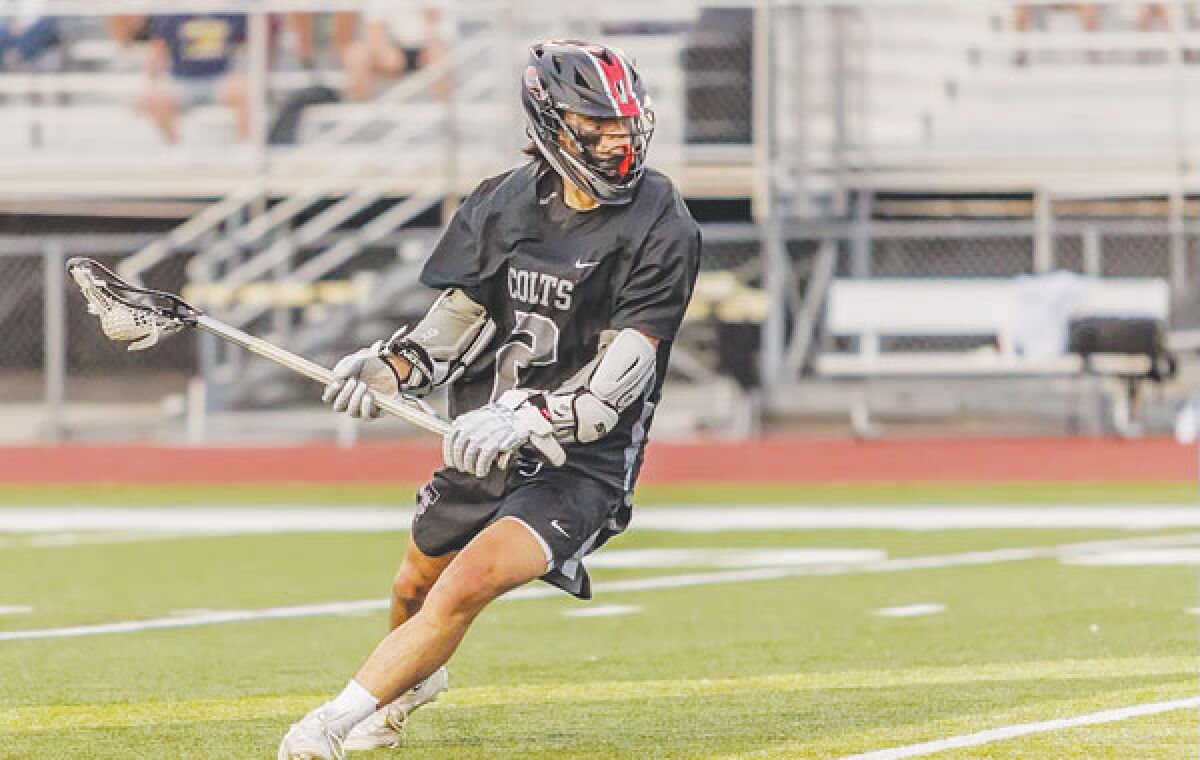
545	546
570	568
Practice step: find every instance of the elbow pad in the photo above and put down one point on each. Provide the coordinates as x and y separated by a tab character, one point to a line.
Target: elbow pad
588	407
452	335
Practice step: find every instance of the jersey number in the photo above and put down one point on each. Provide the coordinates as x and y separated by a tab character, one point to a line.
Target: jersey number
534	343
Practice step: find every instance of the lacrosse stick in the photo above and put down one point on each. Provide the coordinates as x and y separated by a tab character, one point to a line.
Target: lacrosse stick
143	316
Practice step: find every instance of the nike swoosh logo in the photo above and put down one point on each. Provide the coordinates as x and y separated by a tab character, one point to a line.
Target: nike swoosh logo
554	524
547	199
586	264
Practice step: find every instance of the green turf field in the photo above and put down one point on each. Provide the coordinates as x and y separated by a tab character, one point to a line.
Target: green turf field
792	667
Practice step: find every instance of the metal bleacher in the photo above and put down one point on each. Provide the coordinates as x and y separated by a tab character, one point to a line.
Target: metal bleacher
950	96
884	96
936	94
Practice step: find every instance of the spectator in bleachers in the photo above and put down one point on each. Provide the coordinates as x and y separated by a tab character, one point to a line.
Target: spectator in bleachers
192	62
129	32
1153	17
1028	16
309	32
28	37
395	40
126	30
342	27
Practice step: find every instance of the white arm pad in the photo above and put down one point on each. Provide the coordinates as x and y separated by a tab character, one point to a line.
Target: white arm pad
443	344
623	368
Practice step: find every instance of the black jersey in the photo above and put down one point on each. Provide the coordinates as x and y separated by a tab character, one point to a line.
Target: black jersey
552	279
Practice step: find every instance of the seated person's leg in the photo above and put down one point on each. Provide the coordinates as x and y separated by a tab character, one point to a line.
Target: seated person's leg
301	26
1152	16
6	42
1022	16
160	104
343	28
38	39
387	58
357	62
370	56
234	92
434	51
123	30
1089	16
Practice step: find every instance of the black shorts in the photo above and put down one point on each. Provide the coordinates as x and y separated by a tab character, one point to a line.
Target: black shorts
570	513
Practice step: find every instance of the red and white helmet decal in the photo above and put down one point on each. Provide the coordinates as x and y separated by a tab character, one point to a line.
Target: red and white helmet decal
615	73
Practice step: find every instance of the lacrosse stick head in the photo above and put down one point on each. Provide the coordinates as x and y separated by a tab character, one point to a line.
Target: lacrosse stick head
128	313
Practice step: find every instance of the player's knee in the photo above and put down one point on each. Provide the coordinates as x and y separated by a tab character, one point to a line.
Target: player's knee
463	591
410	587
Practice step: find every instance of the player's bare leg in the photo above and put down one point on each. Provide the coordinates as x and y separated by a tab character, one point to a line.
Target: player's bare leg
412	583
416	576
502	557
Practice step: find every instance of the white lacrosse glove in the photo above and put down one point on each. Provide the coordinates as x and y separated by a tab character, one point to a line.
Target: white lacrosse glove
493	433
357	377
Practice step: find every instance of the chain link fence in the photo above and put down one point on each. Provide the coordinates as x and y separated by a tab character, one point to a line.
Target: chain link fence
96	369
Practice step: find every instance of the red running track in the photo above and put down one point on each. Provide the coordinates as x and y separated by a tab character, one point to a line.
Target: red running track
788	460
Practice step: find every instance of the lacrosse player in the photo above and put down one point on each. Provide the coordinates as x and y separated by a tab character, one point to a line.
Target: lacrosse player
562	284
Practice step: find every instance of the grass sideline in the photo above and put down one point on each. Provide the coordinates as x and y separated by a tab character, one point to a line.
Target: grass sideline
649	494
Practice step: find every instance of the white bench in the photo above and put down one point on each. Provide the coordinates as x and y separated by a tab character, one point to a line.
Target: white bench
986	310
871	310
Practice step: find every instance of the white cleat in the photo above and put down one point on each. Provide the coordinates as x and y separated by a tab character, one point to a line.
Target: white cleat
385	726
311	739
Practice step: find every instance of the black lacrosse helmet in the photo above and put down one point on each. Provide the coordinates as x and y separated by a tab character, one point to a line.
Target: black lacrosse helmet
596	81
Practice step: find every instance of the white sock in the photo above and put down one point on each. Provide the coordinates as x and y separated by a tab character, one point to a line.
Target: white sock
349	708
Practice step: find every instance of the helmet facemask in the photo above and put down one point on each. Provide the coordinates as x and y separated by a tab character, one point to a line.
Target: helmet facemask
617	155
606	164
592	137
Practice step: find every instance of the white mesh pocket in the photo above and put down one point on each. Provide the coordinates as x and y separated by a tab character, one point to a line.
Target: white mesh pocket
120	321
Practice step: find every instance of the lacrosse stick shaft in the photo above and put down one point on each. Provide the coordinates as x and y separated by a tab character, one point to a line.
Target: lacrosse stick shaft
314	371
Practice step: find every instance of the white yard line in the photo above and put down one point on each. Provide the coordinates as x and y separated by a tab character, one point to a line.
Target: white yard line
86	538
203	520
910	610
236	520
729	557
204	618
739	518
1025	729
15	609
601	610
1140	557
687	580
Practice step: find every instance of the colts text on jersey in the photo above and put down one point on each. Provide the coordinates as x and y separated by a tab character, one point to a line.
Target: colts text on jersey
536	288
